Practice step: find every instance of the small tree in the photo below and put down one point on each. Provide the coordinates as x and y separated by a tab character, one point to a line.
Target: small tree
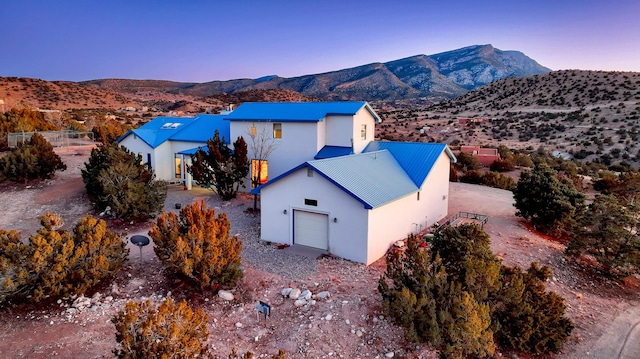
467	162
197	244
115	178
608	231
57	262
32	160
170	331
109	131
262	144
550	204
221	167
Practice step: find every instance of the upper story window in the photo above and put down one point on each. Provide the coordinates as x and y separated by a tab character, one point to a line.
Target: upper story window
277	130
363	132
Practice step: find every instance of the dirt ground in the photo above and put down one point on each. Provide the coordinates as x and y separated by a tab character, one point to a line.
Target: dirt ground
347	324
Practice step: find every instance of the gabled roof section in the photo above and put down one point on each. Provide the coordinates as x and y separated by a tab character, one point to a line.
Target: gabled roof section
333	151
374	178
203	128
190	129
415	158
297	111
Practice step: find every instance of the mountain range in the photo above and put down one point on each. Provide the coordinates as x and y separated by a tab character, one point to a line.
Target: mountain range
438	77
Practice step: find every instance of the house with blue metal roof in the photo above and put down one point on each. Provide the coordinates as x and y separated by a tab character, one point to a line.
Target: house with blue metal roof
300	131
165	143
355	206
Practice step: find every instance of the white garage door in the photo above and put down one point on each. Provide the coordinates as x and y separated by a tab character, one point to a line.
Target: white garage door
311	229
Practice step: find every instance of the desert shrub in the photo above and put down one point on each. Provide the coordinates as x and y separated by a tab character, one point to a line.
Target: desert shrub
221	167
551	204
34	159
56	262
608	231
498	180
197	244
109	131
115	178
502	165
168	331
456	295
473	177
467	162
531	319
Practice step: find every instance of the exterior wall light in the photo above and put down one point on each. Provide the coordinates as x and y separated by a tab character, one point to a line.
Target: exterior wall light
284	212
335	220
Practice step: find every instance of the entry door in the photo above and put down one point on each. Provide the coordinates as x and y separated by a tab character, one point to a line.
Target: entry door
311	229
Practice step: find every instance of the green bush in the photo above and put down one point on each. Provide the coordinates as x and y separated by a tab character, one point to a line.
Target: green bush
456	295
32	160
115	178
197	244
57	262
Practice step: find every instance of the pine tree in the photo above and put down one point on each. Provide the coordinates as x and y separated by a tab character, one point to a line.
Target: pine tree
221	167
35	159
114	177
197	244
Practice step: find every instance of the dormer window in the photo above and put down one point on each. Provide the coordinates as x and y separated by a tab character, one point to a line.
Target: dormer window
277	130
363	132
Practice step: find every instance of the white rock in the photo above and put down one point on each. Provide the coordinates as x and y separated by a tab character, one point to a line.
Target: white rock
295	293
238	325
399	244
300	302
389	355
323	295
358	333
306	294
328	316
285	292
225	295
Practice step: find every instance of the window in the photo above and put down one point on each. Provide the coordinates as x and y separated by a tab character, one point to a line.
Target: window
259	172
277	130
363	132
253	130
309	172
418	196
178	164
311	202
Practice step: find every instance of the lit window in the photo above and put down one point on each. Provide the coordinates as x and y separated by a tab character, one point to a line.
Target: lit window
253	131
178	163
277	130
259	172
363	132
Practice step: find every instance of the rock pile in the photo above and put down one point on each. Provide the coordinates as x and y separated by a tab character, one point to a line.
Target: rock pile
303	297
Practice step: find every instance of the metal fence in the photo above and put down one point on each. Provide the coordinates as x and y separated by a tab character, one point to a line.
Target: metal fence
64	138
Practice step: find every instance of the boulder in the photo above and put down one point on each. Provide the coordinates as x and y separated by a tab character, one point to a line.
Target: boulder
225	295
323	295
306	294
285	292
295	293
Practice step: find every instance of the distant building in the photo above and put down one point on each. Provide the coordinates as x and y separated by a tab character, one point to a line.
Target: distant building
486	156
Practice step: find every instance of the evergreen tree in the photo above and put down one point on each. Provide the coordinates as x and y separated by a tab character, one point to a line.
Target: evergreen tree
35	159
608	231
549	203
197	244
115	178
221	167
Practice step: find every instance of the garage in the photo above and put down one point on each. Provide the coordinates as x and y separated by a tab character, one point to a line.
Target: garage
311	229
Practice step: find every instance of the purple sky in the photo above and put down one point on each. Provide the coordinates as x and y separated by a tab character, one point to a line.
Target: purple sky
200	41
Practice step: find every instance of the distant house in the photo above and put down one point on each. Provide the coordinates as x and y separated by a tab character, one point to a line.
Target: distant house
356	206
468	121
486	155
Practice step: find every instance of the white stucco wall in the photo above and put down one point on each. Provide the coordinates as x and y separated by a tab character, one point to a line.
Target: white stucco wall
362	117
339	130
394	221
297	145
347	236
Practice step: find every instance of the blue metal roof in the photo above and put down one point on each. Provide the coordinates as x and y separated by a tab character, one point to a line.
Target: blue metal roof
374	178
190	129
415	158
297	111
192	151
333	151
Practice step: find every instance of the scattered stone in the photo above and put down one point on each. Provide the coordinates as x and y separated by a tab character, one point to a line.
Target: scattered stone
399	243
323	295
295	293
328	316
225	295
389	355
238	325
306	294
285	292
359	333
300	302
579	295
